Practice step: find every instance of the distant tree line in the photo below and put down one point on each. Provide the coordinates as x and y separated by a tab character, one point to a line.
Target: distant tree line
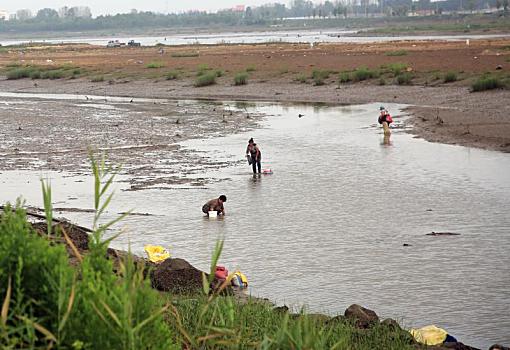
80	18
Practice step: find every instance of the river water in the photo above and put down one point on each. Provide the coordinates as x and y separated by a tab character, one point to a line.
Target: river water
327	229
257	37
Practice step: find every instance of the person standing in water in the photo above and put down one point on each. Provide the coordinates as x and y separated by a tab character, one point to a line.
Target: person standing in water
385	120
253	152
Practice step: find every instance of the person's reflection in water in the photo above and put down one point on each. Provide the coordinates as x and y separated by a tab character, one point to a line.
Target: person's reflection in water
387	140
255	181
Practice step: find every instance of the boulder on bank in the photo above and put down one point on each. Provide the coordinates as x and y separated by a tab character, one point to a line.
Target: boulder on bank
498	347
177	276
364	318
452	346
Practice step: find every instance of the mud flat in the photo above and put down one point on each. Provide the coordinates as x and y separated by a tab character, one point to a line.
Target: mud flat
441	112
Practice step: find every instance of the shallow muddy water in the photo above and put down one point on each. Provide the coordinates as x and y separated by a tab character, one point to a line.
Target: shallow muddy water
327	228
257	37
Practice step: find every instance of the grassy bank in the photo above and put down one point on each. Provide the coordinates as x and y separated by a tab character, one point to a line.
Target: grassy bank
50	303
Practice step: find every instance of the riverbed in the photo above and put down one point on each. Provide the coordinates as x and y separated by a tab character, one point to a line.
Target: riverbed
328	227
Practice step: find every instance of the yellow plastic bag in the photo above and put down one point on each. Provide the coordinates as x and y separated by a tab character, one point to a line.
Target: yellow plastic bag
238	279
156	253
429	335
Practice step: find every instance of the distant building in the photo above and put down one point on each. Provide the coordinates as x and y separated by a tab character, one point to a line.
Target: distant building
239	8
4	15
23	14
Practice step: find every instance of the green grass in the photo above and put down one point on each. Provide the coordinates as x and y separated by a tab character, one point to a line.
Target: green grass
404	78
486	83
396	53
155	65
241	78
206	79
251	68
363	73
185	54
450	77
172	75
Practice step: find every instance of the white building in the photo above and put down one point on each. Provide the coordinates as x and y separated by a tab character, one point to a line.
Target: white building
4	15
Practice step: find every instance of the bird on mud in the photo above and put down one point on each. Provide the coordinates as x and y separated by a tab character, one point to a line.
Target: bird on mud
301	115
131	101
87	98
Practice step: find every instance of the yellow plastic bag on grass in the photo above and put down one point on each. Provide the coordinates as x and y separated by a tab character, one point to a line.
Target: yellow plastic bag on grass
156	253
429	335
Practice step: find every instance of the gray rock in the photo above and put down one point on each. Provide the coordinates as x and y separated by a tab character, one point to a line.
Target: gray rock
176	276
364	318
499	347
391	323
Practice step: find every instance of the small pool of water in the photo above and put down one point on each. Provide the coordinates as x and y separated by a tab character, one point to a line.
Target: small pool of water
327	229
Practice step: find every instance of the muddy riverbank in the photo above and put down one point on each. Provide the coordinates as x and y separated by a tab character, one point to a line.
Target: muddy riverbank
447	114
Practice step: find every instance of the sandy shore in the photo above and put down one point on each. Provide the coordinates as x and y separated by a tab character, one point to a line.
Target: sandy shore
447	114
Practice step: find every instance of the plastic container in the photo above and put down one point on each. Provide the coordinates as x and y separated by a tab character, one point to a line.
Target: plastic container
213	213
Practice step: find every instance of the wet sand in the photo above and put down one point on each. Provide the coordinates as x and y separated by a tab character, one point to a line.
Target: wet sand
447	114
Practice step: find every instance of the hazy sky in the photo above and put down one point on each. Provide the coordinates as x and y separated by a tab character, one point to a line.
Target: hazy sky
115	6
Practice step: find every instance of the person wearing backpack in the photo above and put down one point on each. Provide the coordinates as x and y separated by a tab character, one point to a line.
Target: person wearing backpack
385	120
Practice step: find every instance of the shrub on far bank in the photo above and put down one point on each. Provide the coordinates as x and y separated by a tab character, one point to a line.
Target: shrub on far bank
319	75
404	78
344	77
172	75
251	68
395	68
396	53
97	79
450	77
363	73
19	73
206	79
486	83
301	78
185	54
241	78
153	65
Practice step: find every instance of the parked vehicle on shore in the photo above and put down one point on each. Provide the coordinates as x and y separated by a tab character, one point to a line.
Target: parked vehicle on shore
133	43
114	43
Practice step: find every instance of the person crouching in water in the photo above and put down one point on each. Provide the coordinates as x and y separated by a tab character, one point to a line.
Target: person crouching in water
255	155
385	120
215	205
